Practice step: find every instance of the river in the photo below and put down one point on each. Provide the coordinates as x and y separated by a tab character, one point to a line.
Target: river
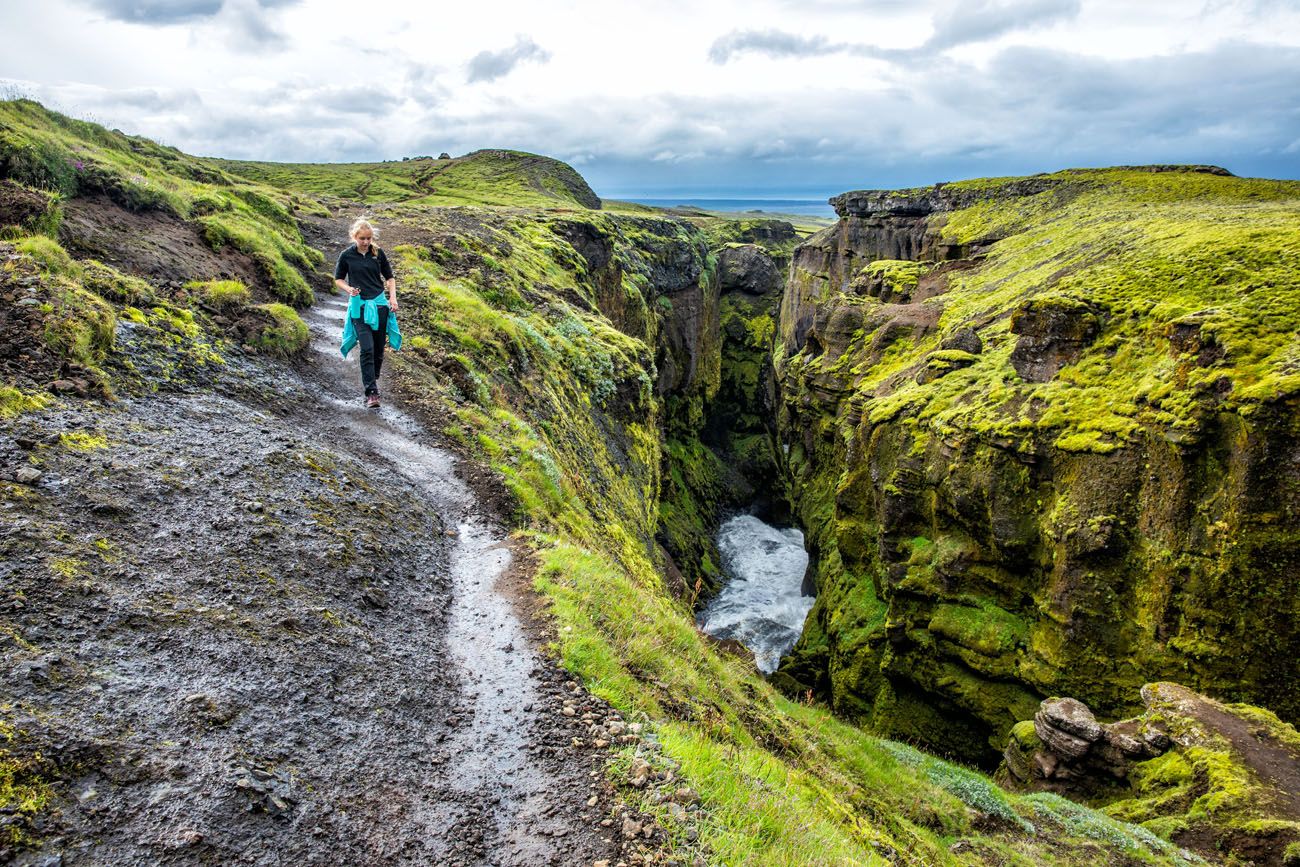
761	605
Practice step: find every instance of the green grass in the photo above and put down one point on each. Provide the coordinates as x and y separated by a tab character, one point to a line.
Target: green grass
495	178
68	157
283	334
221	294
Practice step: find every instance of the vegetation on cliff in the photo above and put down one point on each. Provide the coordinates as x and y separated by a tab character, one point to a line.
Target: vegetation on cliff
1051	460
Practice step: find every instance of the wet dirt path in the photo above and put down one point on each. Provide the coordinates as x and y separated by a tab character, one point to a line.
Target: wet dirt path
251	622
524	812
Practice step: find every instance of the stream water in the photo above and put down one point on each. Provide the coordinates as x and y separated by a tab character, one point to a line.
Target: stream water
761	605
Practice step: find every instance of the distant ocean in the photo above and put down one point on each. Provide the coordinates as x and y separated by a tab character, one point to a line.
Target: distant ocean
809	207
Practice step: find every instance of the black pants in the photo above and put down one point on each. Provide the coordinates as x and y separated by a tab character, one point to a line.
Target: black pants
371	343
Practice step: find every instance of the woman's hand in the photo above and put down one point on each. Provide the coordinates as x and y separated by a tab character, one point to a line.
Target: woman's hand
392	303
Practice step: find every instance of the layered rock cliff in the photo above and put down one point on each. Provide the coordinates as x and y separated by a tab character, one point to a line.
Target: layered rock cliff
1044	437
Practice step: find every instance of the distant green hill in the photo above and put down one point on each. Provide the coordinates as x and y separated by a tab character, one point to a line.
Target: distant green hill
484	177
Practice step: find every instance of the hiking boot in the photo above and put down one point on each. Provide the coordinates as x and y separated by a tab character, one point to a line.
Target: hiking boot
372	401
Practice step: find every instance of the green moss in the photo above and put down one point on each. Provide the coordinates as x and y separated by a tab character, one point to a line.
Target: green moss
79	326
284	333
899	277
14	402
112	285
220	294
984	627
81	441
25	788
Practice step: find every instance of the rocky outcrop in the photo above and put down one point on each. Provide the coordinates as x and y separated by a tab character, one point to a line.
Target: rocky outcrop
940	198
747	268
1221	779
1053	332
1065	750
872	227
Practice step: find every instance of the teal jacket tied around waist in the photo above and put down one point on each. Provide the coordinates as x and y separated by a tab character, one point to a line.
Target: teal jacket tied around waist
368	310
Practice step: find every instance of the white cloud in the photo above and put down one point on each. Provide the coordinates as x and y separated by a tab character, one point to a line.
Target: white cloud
865	91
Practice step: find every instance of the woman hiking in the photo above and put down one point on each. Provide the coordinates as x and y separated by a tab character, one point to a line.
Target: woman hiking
363	272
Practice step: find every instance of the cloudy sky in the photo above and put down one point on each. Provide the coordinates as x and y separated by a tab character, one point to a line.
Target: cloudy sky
760	97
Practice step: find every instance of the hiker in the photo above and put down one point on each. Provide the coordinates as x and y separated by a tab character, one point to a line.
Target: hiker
363	272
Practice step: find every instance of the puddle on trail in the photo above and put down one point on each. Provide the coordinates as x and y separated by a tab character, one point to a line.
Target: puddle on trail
761	605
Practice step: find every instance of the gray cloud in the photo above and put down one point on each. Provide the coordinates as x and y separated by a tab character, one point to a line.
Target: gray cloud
960	24
248	29
968	22
1019	111
773	43
491	65
157	11
157	99
170	11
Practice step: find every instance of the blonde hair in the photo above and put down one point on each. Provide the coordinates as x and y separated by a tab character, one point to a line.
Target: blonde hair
363	223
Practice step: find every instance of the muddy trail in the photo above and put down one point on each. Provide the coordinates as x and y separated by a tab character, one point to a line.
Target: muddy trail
252	622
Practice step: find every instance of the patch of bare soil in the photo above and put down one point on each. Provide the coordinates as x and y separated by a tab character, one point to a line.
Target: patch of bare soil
155	245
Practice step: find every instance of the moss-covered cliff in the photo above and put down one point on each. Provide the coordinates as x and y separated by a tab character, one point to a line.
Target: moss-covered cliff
1043	435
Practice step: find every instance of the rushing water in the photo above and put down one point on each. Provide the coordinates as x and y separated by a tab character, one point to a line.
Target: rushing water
761	605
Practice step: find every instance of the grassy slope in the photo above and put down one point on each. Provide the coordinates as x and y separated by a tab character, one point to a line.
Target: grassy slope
49	151
488	177
57	158
507	350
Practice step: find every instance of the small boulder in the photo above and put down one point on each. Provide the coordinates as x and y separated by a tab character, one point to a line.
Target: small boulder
1071	716
1060	742
964	339
747	268
27	475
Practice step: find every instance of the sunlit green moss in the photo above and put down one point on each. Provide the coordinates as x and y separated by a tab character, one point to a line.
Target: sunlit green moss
284	333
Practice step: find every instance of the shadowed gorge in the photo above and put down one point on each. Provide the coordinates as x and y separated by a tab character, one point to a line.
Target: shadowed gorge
1039	435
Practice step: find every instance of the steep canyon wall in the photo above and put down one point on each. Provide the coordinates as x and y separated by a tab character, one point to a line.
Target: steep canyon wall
1043	436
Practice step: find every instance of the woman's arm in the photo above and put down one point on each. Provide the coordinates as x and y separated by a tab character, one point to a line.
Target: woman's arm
343	284
391	285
